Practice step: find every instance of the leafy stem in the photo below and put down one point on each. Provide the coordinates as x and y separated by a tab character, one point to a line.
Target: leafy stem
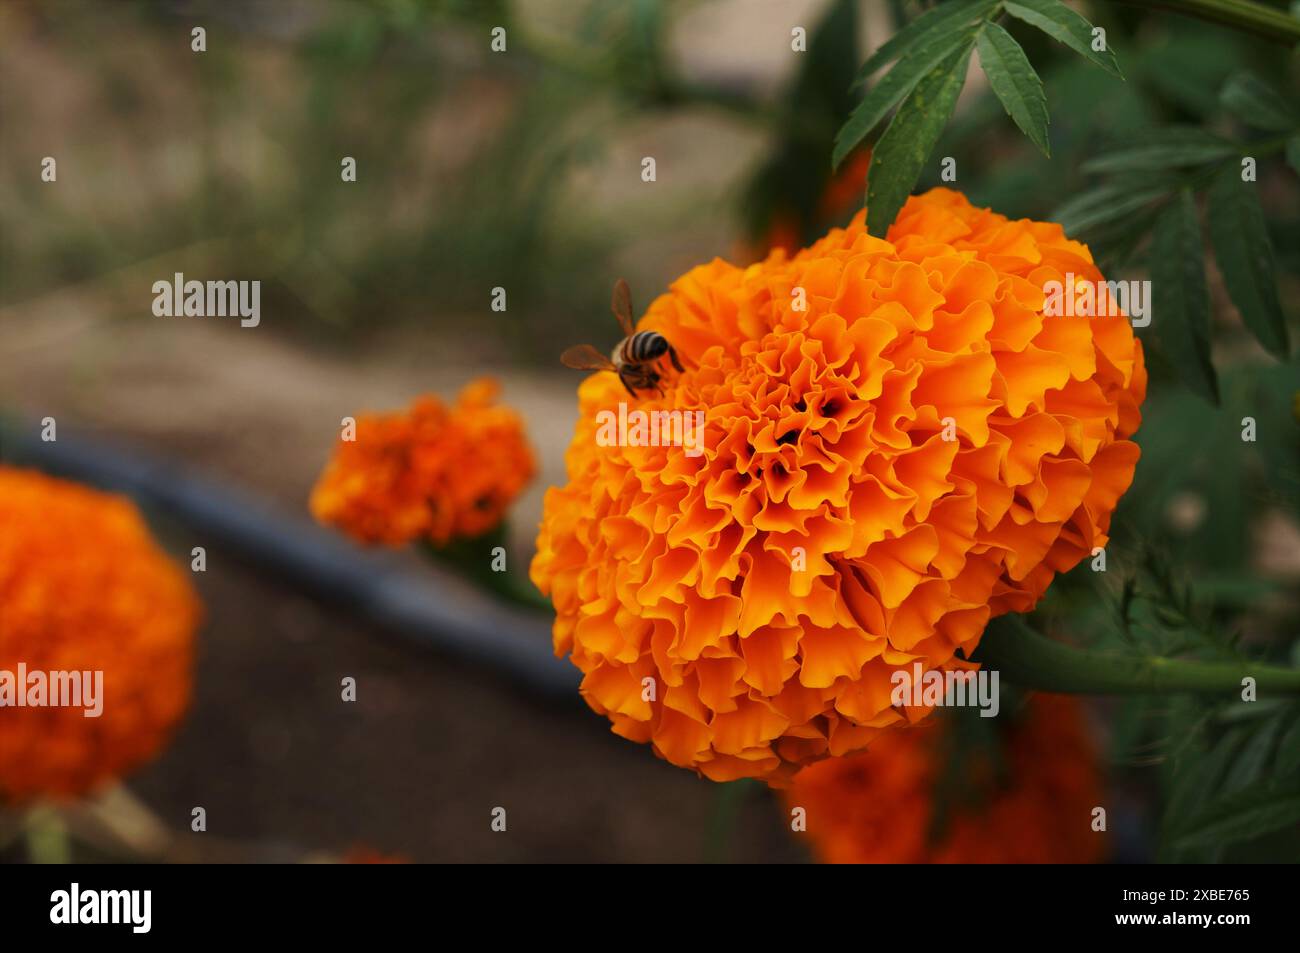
473	559
1244	15
1034	661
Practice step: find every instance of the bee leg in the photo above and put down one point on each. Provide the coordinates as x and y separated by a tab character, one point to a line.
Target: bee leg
628	386
672	354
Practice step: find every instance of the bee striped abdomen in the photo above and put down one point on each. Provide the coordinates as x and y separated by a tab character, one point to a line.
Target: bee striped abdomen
644	346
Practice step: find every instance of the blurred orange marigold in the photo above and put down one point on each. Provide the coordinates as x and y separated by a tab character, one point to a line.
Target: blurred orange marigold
879	807
744	609
430	472
786	223
84	588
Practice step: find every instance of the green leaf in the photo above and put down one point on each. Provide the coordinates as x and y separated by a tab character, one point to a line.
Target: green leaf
1288	749
1130	730
1197	774
1103	205
1171	147
1014	81
1061	23
944	19
897	83
1242	815
902	151
1245	256
1256	104
1293	153
1254	712
1253	761
1180	301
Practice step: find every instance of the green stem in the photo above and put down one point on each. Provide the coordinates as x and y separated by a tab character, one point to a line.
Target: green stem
472	559
727	802
1275	25
47	837
1026	658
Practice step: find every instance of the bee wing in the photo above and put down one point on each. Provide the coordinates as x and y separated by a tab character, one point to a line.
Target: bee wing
584	357
621	303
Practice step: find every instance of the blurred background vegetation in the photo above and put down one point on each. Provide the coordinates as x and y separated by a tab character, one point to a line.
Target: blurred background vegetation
519	168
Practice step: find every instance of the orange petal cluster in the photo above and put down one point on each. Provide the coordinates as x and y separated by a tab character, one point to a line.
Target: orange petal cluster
898	445
83	587
1036	808
431	472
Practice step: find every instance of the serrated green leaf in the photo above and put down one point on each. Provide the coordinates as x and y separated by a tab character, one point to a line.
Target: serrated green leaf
1253	761
1244	711
901	153
945	18
1061	23
1131	728
1251	100
1245	257
896	84
1103	205
1288	749
1168	148
1241	816
1198	773
1014	81
1180	312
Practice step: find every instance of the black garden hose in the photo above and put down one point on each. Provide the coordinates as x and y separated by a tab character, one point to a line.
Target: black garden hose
427	607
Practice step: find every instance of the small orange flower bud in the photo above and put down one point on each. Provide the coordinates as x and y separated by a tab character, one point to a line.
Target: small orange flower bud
430	472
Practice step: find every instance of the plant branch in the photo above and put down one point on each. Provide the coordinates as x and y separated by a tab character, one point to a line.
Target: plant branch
1275	25
472	559
1035	661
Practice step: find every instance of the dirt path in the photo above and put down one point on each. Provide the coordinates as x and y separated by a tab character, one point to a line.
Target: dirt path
416	765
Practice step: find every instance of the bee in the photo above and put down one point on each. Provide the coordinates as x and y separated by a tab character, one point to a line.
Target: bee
633	358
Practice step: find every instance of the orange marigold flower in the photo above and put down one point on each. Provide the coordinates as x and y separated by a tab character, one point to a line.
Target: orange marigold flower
84	588
898	445
1035	808
430	472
